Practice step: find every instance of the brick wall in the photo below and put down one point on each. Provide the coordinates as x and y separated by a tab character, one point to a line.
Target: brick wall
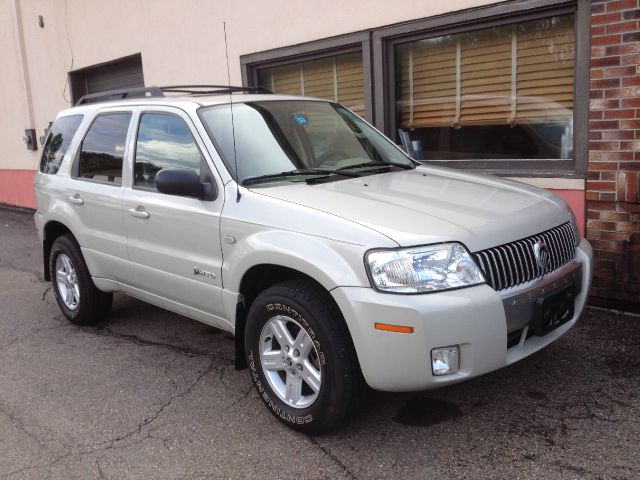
613	188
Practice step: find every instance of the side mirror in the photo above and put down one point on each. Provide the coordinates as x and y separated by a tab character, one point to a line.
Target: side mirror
183	181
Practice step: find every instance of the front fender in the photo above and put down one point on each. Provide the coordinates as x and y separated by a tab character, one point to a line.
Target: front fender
329	262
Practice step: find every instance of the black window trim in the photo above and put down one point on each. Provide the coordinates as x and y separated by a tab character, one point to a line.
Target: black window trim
351	43
71	144
75	168
204	167
377	53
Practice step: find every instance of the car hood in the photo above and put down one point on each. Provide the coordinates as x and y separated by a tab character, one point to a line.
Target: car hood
430	205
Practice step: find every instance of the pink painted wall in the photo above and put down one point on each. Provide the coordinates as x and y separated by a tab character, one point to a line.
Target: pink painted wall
16	188
576	200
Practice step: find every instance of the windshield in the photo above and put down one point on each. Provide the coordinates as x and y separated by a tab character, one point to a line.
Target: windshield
273	138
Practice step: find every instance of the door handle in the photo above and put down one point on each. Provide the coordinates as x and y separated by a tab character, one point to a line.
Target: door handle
76	199
139	212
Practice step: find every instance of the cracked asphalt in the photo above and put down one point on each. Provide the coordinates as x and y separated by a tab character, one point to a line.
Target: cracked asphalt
150	394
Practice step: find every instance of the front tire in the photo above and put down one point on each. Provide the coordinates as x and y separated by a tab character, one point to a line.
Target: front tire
301	357
77	296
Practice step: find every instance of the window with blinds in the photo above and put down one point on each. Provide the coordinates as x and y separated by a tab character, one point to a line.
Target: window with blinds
502	92
339	78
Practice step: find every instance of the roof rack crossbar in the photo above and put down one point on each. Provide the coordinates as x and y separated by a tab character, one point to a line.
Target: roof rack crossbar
121	93
212	89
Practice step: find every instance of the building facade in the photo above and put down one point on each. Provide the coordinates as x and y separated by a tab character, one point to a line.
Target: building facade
544	91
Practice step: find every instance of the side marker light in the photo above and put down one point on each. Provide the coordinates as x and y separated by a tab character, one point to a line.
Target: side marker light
387	327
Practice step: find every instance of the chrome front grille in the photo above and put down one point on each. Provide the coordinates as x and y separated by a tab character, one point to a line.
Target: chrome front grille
514	263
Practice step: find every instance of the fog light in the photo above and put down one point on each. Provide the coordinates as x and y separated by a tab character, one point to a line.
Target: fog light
445	360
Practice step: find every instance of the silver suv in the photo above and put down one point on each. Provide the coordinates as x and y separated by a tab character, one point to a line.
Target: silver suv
335	259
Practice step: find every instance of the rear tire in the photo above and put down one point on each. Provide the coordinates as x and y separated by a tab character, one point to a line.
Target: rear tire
301	357
77	296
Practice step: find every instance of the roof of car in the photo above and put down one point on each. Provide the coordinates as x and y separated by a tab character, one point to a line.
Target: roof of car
183	100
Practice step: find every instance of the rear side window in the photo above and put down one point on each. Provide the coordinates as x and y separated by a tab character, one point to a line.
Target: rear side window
58	141
103	148
164	141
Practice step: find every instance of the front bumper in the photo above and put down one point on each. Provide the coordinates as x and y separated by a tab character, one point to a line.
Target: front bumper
478	319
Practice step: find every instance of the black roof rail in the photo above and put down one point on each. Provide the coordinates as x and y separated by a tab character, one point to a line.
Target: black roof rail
123	93
212	89
120	94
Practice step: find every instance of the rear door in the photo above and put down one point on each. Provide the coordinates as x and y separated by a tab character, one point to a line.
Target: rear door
173	241
95	193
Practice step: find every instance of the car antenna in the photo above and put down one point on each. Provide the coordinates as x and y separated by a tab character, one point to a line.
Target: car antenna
233	127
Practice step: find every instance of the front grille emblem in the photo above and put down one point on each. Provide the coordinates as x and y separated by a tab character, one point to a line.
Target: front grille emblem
542	255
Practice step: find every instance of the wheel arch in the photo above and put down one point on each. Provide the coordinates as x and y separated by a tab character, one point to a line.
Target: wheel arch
52	230
268	257
257	279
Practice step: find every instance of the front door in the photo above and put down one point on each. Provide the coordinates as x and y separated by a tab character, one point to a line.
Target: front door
173	241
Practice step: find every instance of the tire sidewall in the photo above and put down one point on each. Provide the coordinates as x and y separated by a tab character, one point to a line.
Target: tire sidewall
262	310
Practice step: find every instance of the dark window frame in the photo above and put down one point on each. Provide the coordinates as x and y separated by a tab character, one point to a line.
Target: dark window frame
75	168
378	62
385	39
203	163
326	48
48	138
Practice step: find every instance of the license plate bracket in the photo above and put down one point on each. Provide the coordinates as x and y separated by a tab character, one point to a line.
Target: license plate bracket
553	310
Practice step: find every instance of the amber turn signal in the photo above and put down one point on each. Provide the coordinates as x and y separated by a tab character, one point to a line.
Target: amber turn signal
392	328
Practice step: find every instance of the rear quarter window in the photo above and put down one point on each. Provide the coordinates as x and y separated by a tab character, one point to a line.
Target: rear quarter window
62	132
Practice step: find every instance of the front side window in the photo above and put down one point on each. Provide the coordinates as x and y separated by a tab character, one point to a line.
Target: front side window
103	148
498	93
339	78
58	141
306	139
164	141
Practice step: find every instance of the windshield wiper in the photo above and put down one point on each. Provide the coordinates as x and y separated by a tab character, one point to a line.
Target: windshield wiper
295	173
376	164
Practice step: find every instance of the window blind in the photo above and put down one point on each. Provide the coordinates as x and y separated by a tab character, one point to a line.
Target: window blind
505	75
339	78
428	82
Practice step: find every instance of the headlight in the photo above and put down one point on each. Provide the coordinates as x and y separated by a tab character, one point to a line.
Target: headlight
576	229
422	269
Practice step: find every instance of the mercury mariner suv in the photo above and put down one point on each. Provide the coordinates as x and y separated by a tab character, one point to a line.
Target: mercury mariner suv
335	259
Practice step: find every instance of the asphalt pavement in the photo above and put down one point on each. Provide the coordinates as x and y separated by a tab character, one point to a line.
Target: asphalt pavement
150	394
